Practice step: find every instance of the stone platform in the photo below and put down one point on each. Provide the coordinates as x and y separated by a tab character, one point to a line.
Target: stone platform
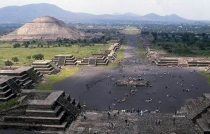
95	60
41	110
46	67
27	76
132	82
9	87
163	59
64	59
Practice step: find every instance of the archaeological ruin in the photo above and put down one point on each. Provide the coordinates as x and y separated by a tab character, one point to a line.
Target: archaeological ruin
9	87
12	79
27	76
103	58
163	59
94	60
64	59
132	82
46	67
41	110
38	29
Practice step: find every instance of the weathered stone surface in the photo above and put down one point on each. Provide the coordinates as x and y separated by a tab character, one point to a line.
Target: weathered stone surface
44	28
40	110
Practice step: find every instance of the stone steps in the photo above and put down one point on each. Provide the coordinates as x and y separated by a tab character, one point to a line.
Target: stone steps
36	119
45	69
202	125
4	99
4	87
25	79
198	109
5	93
27	82
44	113
67	63
41	66
34	127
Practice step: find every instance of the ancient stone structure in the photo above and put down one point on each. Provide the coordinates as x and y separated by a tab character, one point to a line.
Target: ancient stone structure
111	55
198	110
95	60
162	59
133	82
9	87
46	67
44	28
101	59
41	110
63	60
27	76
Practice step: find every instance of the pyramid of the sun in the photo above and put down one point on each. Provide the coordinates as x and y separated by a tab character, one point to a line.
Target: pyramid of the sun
44	28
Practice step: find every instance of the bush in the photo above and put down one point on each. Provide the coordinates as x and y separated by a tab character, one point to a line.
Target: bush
38	56
16	45
8	63
15	59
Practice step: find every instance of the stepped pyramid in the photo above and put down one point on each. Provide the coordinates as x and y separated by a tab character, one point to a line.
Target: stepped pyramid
44	28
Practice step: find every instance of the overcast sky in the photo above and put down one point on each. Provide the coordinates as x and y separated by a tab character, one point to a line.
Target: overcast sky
190	9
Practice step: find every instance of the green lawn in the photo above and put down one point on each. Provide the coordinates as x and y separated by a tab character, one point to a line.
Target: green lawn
51	79
7	52
205	74
9	104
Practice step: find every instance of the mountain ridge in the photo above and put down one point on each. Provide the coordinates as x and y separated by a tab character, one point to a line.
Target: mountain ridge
26	13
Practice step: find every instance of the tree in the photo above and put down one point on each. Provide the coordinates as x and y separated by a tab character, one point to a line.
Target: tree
15	59
16	45
28	57
8	63
26	45
38	56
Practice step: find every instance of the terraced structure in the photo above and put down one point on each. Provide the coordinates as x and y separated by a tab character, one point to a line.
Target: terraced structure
46	67
27	76
64	59
41	110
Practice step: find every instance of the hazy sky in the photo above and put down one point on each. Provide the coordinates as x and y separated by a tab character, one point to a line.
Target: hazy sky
190	9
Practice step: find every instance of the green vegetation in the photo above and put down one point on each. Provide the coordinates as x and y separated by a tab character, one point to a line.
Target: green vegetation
205	74
183	44
51	79
23	54
9	104
130	30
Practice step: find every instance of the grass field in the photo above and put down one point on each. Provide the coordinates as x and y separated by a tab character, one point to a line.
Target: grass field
205	75
7	52
51	79
130	30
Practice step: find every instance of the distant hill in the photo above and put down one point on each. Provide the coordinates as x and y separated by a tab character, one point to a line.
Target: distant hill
26	13
155	17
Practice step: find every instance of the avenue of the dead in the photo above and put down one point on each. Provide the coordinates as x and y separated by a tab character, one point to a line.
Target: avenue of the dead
170	86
